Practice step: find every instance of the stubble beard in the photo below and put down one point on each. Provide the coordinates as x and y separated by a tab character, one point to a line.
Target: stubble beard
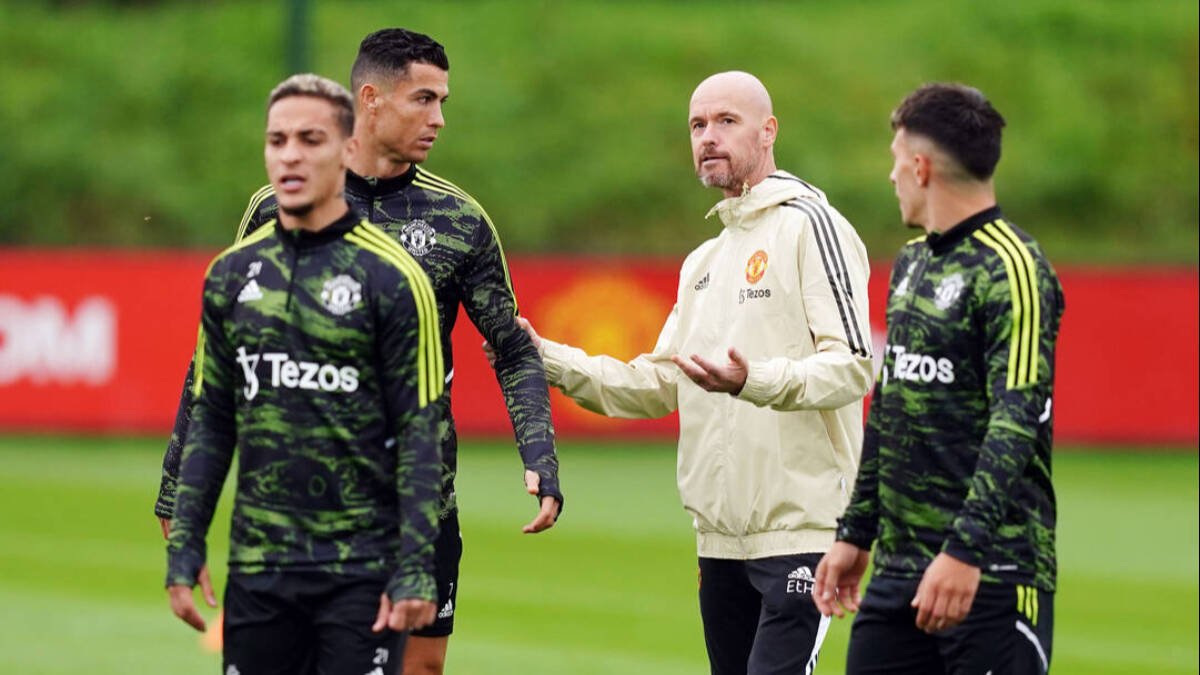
298	211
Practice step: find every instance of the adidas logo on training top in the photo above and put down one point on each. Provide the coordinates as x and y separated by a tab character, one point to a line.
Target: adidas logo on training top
447	610
250	292
801	573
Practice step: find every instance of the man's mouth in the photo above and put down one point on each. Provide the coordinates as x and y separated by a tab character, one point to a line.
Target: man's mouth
292	183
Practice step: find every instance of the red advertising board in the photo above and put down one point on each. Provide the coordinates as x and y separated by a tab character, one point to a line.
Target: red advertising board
99	341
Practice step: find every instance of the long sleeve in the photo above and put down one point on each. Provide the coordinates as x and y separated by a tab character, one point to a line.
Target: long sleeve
413	383
859	525
211	438
164	506
1019	314
833	277
645	387
259	211
490	304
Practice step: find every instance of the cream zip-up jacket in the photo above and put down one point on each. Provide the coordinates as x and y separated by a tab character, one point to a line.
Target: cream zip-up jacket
768	472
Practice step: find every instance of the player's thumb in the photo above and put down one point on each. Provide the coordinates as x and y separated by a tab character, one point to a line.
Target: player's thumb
736	357
533	482
381	617
206	587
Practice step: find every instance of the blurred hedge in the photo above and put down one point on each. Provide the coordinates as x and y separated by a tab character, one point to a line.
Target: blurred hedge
142	125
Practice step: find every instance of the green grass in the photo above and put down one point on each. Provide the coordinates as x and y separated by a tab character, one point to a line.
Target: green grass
611	589
144	120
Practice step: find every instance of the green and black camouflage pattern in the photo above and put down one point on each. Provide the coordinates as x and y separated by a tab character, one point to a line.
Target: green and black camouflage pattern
957	450
319	361
453	239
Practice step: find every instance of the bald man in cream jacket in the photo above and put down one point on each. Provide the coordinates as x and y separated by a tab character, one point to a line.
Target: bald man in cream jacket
767	357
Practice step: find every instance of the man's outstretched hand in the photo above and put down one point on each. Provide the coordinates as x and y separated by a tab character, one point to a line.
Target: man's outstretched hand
728	378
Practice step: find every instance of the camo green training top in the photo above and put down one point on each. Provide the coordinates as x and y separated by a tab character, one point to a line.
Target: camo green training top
956	455
319	359
453	239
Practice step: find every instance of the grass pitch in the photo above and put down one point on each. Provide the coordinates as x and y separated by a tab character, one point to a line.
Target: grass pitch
611	589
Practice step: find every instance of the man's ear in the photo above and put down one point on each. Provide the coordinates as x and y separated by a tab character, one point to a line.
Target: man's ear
770	130
923	167
368	97
349	148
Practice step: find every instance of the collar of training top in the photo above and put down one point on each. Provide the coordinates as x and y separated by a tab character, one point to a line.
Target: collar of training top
372	187
306	239
940	243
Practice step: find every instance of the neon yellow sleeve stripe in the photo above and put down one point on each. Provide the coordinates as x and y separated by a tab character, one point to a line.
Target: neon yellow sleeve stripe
1035	298
1021	351
430	365
447	186
422	292
1014	352
438	184
423	362
1027	282
256	201
1026	323
198	364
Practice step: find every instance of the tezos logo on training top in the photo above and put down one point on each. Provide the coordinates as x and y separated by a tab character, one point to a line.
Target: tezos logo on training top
295	374
913	367
341	294
418	237
756	267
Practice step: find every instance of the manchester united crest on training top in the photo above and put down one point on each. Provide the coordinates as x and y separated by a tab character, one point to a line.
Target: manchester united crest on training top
341	294
948	291
756	267
418	237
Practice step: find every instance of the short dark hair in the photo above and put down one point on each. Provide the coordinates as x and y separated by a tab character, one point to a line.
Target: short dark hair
315	86
389	52
959	120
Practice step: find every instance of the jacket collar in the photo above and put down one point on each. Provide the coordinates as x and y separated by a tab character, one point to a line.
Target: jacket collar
303	239
778	188
377	187
939	243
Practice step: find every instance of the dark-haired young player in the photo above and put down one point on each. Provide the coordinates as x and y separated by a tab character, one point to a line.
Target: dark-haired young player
319	360
954	490
400	81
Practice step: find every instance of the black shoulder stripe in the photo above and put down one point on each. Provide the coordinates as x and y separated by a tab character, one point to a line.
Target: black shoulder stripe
835	270
795	180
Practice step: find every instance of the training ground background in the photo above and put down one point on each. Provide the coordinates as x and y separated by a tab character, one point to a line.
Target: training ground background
611	589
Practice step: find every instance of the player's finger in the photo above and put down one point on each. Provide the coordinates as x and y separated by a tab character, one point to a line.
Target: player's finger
850	596
528	328
184	607
165	524
533	482
938	615
425	615
489	353
919	602
545	517
823	582
694	373
206	587
382	616
736	357
708	366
